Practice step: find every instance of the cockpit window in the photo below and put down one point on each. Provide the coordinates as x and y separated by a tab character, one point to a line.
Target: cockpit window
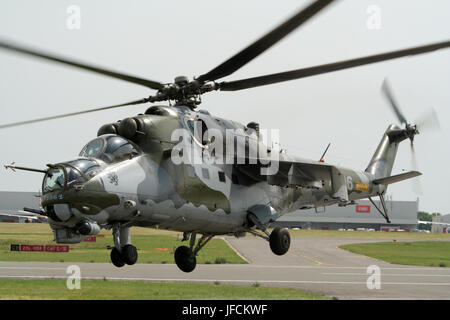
93	149
73	176
53	180
85	165
110	148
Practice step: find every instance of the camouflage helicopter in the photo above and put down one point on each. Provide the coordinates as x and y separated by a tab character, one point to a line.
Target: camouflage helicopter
137	173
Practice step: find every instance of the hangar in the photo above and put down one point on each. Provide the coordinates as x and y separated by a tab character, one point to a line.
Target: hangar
403	216
11	202
441	224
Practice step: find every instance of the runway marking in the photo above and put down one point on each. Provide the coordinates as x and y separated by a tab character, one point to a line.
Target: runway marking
387	274
306	257
32	268
231	281
99	264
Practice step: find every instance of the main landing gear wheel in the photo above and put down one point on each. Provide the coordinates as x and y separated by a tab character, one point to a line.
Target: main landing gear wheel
280	241
185	259
116	258
129	254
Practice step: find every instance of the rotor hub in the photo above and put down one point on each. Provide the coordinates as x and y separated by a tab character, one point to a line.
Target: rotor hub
181	81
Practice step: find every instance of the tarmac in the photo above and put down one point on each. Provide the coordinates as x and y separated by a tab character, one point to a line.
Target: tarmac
313	264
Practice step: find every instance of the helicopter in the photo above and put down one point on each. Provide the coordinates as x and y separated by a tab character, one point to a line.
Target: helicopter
179	168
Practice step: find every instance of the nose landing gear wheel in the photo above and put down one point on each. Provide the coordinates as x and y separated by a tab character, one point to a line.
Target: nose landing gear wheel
116	258
280	241
185	259
129	254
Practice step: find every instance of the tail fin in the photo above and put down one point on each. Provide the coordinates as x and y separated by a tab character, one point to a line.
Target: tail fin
383	159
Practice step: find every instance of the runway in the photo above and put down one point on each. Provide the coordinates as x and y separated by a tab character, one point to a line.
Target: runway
311	264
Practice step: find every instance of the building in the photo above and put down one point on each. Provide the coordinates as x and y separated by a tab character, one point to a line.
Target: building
441	224
12	202
403	216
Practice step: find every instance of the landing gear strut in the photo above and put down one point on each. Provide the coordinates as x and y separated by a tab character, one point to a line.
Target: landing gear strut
126	253
279	239
185	257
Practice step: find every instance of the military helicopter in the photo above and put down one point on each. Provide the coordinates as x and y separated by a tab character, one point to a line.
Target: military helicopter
131	173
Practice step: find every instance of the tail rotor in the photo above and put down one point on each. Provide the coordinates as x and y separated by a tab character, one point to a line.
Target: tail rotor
428	122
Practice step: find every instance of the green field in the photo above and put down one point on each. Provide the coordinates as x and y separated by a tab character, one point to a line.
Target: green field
419	253
149	243
112	290
367	235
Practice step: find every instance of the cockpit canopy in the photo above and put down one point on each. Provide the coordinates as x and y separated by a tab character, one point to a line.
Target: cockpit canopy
69	173
110	148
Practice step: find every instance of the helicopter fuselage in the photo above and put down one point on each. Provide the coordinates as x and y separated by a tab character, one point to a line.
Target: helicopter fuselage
176	182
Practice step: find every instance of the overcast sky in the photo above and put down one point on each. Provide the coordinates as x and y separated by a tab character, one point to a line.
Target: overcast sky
162	39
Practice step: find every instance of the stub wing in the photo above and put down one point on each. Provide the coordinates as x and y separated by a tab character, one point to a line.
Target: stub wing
287	173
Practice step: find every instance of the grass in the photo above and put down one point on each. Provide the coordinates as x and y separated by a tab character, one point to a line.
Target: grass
33	228
14	289
421	253
367	235
147	241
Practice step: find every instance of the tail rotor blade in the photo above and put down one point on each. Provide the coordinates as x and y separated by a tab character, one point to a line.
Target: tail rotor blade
416	184
429	122
386	89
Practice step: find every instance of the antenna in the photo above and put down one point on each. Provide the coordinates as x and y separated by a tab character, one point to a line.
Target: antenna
323	155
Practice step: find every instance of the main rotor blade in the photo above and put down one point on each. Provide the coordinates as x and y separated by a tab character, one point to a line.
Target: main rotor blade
325	68
72	114
264	43
386	89
44	55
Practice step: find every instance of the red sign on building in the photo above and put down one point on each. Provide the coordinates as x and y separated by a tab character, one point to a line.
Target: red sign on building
31	247
42	248
360	208
56	248
90	239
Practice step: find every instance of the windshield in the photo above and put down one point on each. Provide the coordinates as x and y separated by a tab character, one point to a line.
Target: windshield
89	167
73	176
110	148
53	180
